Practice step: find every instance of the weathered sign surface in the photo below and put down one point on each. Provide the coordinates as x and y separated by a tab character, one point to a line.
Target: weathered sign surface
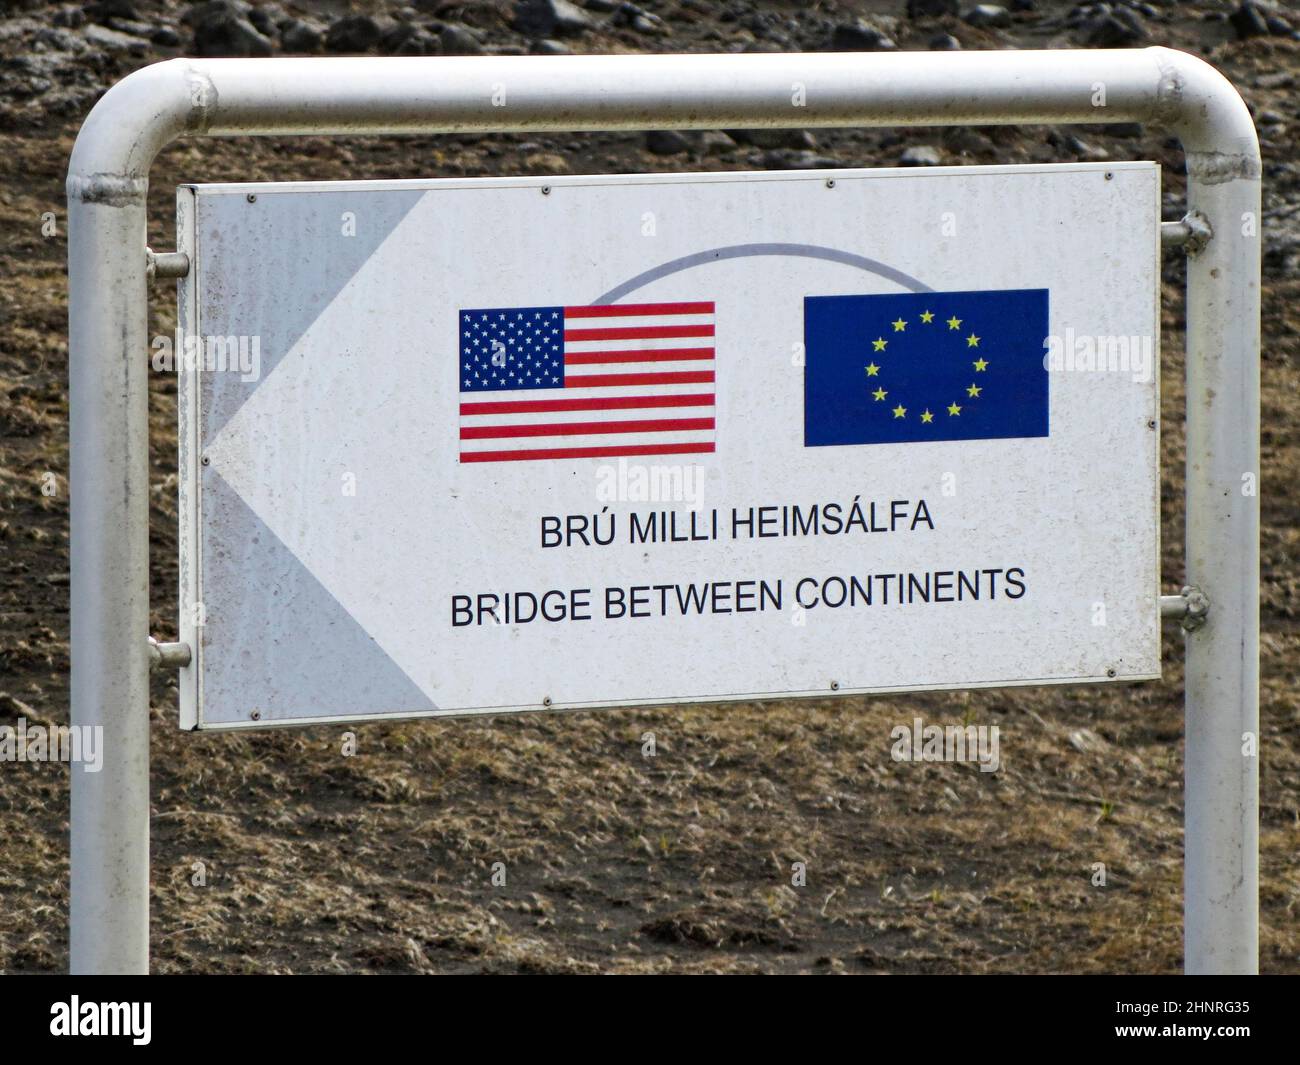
484	445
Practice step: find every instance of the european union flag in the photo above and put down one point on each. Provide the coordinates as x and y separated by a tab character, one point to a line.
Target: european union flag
893	369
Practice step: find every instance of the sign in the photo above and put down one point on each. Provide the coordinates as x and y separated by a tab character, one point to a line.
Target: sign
474	446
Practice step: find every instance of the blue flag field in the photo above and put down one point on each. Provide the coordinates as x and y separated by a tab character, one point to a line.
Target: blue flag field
908	367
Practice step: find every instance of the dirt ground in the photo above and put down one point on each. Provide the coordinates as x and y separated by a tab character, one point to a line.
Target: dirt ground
381	862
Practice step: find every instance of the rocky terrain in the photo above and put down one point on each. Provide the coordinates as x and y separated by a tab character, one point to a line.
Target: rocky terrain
276	852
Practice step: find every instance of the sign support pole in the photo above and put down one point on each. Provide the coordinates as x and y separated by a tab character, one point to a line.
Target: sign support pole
1221	761
108	354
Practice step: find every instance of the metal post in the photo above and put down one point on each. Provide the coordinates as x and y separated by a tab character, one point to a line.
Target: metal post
110	579
108	264
1221	812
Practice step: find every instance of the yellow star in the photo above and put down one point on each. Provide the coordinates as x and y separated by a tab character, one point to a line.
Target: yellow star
927	317
879	344
926	416
953	409
872	370
973	391
954	322
980	365
900	411
880	394
899	326
972	341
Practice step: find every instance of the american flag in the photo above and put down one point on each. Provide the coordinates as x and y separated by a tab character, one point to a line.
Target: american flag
586	382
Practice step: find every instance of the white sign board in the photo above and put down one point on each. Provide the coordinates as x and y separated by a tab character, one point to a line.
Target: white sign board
473	446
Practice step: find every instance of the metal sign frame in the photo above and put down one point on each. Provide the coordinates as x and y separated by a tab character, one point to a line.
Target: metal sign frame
240	454
109	269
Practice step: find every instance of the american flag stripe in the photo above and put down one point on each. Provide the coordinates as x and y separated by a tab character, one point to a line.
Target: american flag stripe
640	332
595	438
636	310
695	399
667	377
602	393
474	430
637	344
595	358
639	425
702	437
637	379
588	452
